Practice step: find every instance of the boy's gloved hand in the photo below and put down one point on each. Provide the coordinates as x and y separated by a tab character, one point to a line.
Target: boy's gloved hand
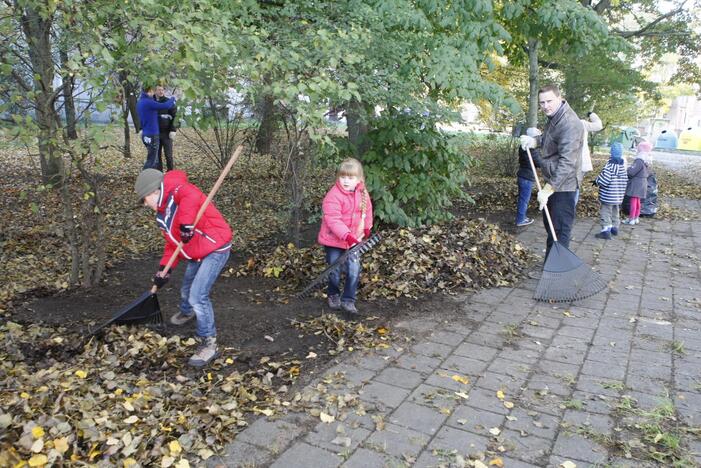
366	233
160	279
350	238
528	142
544	194
186	233
171	135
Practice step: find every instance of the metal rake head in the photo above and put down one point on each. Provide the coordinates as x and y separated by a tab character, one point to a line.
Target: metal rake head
354	252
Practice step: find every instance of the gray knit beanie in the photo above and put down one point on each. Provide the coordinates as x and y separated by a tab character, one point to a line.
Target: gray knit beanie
148	181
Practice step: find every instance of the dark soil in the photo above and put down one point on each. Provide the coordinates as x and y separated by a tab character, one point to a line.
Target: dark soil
248	312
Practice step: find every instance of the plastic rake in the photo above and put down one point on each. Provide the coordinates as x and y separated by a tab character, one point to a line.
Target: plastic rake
565	276
355	251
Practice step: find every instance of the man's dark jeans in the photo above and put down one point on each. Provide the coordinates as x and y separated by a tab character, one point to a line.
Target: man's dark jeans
562	211
151	142
166	146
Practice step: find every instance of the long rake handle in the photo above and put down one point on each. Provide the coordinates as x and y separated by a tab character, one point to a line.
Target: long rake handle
211	194
537	182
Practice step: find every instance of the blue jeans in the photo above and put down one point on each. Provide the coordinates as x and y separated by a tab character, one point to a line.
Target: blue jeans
525	187
152	143
351	268
194	293
562	210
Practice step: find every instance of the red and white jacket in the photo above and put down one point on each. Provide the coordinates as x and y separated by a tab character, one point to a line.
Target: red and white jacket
178	204
342	215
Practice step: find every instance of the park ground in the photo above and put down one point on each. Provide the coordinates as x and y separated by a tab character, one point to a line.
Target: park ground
477	377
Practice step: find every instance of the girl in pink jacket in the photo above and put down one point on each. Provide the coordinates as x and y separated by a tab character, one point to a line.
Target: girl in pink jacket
346	220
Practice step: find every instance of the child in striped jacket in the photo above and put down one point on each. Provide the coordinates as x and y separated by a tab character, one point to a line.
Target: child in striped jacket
612	187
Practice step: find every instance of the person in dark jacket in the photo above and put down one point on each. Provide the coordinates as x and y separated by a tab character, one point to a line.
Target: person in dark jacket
148	109
637	182
206	247
167	126
560	163
525	180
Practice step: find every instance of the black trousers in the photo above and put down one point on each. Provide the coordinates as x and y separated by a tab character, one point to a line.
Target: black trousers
166	146
562	211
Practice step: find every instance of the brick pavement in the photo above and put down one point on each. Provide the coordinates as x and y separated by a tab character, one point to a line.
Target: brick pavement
562	368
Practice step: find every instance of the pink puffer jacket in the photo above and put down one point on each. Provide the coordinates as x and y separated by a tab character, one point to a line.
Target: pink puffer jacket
341	215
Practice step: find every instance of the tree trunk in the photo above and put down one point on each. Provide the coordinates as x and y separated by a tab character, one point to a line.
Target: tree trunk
357	123
68	101
532	117
266	130
127	132
37	32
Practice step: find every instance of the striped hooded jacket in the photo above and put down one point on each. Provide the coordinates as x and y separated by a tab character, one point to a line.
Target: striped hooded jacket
612	183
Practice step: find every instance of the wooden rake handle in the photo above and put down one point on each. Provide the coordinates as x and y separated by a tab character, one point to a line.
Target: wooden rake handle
211	194
537	182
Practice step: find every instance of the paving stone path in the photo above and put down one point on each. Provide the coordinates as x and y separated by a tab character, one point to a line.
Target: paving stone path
534	384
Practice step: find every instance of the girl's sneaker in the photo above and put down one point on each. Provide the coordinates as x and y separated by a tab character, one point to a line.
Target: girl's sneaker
334	302
614	231
628	221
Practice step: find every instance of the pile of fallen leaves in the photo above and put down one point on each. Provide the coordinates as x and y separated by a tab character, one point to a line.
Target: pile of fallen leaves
458	255
130	396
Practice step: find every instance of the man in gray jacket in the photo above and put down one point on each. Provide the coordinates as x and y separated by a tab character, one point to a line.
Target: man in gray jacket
561	162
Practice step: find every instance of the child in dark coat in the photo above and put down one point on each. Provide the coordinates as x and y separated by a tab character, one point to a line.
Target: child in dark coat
612	186
637	182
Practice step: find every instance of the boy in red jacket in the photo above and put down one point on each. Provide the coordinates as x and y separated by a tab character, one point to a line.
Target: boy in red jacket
206	248
346	220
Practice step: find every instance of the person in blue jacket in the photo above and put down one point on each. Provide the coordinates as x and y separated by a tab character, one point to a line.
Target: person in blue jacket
148	108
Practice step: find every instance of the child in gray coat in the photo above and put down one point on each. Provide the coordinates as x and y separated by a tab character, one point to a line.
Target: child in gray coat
637	182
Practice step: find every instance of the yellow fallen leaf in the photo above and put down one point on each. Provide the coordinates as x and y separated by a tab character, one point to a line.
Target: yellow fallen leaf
496	462
229	360
495	431
129	462
61	445
382	331
327	418
461	379
462	395
568	464
131	419
174	447
166	462
182	463
508	404
500	395
37	432
81	374
24	395
38	460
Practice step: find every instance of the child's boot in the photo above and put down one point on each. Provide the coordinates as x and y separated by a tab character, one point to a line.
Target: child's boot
334	302
349	310
205	353
604	234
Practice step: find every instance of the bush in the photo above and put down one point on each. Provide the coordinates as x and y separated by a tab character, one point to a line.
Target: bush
412	170
495	154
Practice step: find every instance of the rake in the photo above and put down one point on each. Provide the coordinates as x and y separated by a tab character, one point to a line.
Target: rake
353	252
565	276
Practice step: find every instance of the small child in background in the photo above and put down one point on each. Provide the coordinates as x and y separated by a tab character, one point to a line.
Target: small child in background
612	187
346	220
637	182
525	180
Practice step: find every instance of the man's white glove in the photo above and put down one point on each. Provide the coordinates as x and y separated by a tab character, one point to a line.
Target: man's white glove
528	142
543	195
171	135
533	132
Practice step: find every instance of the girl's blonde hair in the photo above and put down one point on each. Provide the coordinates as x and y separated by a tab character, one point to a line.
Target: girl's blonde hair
351	167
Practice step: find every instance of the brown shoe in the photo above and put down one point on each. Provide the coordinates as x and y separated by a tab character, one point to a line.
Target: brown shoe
205	353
